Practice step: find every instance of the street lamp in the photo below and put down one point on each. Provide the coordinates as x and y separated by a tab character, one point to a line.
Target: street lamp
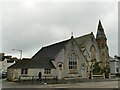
20	52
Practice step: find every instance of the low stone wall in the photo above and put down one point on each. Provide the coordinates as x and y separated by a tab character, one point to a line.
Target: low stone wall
98	76
35	78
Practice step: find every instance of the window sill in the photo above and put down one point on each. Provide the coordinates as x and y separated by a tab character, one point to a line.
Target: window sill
24	75
73	73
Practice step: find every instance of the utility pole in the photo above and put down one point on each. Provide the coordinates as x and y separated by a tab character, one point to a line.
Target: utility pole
20	52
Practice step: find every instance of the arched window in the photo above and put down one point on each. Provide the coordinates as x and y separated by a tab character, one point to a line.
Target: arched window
72	61
93	52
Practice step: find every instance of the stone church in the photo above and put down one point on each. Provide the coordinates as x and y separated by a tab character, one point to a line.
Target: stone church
80	57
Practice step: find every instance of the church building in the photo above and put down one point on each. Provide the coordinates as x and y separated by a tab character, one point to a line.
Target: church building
80	57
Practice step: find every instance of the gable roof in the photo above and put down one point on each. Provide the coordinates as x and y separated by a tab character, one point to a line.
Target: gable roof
43	62
20	64
50	51
111	59
42	59
118	58
10	61
82	39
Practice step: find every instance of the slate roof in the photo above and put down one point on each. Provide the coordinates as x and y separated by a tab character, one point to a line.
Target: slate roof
117	57
10	61
111	59
42	62
50	51
42	59
81	40
20	64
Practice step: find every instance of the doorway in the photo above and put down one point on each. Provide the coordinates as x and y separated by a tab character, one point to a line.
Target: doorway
60	66
106	75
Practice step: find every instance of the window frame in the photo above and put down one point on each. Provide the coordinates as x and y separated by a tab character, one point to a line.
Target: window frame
47	71
72	61
24	71
117	69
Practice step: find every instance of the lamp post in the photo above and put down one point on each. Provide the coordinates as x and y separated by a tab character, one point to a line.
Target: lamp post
20	52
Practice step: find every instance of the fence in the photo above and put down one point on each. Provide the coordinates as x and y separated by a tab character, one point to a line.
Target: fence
44	79
98	76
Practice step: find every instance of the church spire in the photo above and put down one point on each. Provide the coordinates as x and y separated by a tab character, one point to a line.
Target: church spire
100	25
100	32
102	44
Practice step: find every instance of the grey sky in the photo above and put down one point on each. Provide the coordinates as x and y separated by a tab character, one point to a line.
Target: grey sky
30	25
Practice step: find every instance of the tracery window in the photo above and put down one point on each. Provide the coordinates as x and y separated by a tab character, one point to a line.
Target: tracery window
93	53
72	61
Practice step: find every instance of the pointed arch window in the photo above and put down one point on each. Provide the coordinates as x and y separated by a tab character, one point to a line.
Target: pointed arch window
72	61
93	52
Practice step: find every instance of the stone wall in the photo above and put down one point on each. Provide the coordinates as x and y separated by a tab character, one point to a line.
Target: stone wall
14	74
63	57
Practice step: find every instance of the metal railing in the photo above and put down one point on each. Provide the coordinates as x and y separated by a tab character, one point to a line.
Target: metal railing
44	79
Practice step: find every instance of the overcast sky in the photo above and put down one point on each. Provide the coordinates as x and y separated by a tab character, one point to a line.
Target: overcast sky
31	24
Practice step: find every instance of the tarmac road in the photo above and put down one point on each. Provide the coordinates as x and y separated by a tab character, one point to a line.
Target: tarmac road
103	84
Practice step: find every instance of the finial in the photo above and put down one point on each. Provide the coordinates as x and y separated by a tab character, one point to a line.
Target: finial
91	32
71	33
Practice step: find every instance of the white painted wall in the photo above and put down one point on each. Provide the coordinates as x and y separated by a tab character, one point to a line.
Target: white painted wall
114	63
5	65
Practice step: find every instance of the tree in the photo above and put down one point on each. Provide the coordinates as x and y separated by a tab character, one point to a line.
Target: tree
106	69
96	68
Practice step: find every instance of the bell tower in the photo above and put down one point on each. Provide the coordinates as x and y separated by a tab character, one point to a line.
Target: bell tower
102	44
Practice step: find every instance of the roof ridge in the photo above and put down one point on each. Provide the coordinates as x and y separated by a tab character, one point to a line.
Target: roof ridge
56	43
53	49
84	35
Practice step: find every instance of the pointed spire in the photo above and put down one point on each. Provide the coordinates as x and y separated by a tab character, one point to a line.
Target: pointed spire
100	31
100	26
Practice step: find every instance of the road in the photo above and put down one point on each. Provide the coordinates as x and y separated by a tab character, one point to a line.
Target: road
105	84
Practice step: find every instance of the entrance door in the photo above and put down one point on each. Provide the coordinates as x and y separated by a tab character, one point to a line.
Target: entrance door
60	71
106	75
60	74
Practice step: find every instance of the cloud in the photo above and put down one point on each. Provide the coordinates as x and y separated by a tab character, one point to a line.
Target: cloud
0	29
31	25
